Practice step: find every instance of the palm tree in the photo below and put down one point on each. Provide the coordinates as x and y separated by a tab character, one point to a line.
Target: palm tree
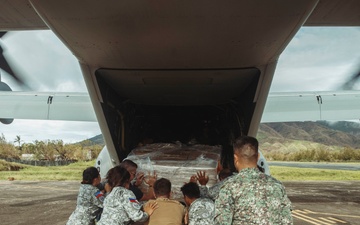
18	141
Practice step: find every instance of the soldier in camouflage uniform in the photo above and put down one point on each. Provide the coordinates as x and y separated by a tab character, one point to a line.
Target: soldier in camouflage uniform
213	191
121	206
251	197
89	200
201	211
131	167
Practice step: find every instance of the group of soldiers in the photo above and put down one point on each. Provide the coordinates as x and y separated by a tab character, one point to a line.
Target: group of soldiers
248	196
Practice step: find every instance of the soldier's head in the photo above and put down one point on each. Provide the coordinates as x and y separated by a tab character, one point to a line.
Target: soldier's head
91	176
118	176
130	166
246	152
191	192
162	188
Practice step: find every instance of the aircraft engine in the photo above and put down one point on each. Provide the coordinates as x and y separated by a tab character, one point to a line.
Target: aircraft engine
5	87
4	65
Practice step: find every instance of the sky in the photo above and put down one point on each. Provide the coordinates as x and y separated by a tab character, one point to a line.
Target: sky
317	59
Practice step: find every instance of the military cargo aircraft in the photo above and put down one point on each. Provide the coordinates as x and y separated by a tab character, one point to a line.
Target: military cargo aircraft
178	70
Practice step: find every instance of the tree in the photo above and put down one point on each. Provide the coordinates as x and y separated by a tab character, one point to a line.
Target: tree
65	152
7	150
44	150
18	141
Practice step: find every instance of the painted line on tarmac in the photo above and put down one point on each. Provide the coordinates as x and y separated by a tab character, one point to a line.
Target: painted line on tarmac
327	220
302	215
303	219
330	214
340	221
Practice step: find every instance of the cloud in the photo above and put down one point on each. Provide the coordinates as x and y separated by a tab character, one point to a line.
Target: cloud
46	65
43	130
318	59
43	61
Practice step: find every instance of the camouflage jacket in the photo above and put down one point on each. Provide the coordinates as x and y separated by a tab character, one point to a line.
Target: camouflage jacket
121	207
252	197
201	212
89	203
212	192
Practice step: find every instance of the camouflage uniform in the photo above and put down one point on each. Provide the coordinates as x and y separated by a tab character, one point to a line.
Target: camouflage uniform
252	197
213	191
201	212
89	203
121	207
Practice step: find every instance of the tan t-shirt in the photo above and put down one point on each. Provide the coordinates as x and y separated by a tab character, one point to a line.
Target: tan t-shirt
169	212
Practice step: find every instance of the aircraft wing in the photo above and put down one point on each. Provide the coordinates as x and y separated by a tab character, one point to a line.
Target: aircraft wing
20	14
280	107
312	106
46	106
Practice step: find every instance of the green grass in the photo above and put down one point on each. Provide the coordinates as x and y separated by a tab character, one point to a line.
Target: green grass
4	165
60	173
74	172
305	174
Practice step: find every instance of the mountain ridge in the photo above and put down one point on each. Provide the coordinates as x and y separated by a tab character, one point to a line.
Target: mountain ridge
321	134
285	134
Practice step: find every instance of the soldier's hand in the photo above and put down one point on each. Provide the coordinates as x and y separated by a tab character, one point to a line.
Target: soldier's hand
107	187
150	179
139	179
150	208
193	179
202	178
186	217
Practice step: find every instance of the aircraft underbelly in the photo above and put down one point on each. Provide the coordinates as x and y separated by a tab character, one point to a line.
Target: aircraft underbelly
175	34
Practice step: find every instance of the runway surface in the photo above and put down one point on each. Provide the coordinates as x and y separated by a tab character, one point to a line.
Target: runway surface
51	202
325	202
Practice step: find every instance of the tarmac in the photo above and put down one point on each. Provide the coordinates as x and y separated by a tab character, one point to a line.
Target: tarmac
52	202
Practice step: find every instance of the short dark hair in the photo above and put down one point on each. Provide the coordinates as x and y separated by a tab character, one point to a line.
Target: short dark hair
127	163
191	190
247	148
118	176
89	174
162	187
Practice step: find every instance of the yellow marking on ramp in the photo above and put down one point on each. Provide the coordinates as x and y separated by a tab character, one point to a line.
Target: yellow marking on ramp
340	221
300	214
308	211
303	219
333	214
328	214
329	221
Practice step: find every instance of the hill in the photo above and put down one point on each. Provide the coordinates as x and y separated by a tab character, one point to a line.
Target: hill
292	136
96	140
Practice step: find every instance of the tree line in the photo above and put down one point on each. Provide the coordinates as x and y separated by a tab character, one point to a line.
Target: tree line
50	150
321	154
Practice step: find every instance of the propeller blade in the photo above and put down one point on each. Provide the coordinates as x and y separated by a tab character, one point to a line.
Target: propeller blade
2	33
4	65
350	84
